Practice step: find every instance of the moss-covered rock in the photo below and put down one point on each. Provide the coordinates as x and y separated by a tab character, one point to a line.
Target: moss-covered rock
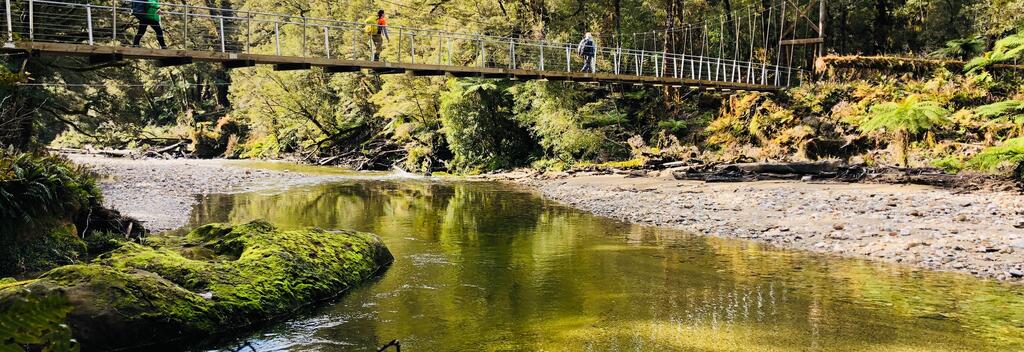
219	277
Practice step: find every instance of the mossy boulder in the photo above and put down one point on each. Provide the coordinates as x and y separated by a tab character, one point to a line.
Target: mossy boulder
219	277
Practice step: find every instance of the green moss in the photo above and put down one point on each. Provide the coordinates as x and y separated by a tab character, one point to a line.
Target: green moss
218	277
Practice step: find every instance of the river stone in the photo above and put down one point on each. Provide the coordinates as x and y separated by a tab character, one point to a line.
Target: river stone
218	278
1018	244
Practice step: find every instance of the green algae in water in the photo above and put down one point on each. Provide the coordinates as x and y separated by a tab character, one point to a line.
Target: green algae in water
482	266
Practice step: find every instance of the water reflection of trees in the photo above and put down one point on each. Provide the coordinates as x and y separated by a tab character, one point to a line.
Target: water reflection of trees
481	265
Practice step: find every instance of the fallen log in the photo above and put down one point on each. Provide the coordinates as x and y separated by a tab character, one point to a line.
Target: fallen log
799	168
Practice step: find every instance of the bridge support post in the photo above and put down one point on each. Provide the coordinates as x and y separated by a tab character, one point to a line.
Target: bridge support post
88	19
184	39
541	55
248	32
10	27
568	65
327	43
31	20
223	48
480	42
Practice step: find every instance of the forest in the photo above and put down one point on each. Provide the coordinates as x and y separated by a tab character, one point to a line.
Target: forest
939	116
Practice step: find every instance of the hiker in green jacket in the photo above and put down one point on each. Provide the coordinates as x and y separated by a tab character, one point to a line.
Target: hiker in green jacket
148	13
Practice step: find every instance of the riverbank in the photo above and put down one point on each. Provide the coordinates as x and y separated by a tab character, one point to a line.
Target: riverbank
162	192
980	233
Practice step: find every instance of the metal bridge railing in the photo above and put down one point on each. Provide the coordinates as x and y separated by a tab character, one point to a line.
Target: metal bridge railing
187	27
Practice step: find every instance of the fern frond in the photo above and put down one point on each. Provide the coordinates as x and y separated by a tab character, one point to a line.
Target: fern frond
1010	152
1009	107
910	115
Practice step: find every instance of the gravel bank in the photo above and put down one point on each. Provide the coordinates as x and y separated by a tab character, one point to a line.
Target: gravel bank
981	233
161	193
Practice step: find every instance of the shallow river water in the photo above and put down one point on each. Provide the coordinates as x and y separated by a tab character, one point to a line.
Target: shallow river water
485	266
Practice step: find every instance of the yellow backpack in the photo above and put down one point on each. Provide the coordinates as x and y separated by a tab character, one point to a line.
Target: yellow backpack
371	26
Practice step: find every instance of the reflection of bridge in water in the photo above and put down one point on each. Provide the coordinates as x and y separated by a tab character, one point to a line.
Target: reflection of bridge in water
238	38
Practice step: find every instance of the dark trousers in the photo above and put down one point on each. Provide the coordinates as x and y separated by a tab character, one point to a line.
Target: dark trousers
588	63
145	22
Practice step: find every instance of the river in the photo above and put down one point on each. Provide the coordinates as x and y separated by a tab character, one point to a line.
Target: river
487	266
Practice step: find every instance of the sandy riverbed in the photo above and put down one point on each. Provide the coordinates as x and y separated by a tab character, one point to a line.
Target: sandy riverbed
981	233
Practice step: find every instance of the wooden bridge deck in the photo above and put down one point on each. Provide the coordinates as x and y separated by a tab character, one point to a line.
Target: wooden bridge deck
170	57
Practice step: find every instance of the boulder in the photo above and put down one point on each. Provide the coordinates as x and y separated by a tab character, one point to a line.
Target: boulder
217	278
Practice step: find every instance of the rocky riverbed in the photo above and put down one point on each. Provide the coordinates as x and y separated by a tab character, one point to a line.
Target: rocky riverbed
981	233
161	193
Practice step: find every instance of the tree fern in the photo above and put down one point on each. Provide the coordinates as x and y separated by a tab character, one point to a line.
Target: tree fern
1010	152
961	48
1010	111
1008	49
904	119
910	115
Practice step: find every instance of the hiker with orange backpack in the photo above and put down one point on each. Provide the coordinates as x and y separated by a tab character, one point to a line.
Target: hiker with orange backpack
377	29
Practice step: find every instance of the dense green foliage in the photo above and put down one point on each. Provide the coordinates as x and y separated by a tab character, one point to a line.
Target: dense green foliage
51	215
38	188
217	278
35	323
40	197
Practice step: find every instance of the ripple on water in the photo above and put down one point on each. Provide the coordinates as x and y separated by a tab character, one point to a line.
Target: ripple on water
424	259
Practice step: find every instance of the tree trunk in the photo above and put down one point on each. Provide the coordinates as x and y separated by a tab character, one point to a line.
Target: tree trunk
882	27
617	18
903	146
727	7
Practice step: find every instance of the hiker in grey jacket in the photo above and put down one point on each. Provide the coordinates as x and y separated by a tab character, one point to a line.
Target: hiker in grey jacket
588	49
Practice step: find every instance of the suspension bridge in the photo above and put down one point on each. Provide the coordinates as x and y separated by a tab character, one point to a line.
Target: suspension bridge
239	38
